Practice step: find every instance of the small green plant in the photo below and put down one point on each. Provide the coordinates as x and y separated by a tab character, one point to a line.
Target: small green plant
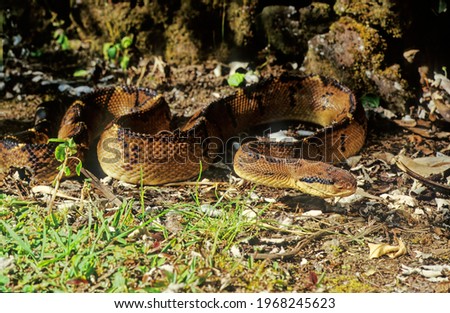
118	53
236	80
81	73
444	68
61	39
370	101
64	152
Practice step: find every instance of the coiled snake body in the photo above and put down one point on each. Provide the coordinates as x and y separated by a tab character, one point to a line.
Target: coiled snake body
138	143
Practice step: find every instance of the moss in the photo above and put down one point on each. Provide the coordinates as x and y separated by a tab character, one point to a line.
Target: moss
373	45
379	14
354	53
347	52
347	283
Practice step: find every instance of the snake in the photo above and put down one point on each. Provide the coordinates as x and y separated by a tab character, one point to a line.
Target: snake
139	142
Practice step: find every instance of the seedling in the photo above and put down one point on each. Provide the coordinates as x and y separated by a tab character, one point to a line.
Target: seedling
61	39
118	52
64	152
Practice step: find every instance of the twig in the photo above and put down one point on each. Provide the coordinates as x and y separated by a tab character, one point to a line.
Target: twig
294	251
102	188
57	182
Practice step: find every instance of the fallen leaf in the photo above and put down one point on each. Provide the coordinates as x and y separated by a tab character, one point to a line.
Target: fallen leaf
400	199
442	82
377	250
442	204
441	106
433	273
409	55
426	166
382	155
406	121
353	160
443	135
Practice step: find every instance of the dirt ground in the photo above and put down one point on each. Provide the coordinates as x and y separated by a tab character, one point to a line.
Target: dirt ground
390	207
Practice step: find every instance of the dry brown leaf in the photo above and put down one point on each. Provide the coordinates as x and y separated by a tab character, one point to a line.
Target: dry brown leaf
424	166
377	250
409	55
385	156
424	123
443	135
442	82
406	122
442	107
354	160
427	133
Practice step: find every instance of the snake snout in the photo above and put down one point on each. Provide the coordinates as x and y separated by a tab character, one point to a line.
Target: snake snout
344	183
329	181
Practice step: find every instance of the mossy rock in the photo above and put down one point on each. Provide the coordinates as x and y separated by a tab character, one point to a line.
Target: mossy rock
353	53
377	14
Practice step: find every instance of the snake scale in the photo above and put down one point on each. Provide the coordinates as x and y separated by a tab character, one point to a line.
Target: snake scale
139	143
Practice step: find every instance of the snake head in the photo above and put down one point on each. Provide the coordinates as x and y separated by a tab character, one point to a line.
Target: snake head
326	182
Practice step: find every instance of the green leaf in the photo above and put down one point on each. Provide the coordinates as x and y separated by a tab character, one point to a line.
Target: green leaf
57	33
112	52
20	242
81	73
60	152
57	140
28	288
236	79
62	39
67	171
126	42
124	62
4	280
65	45
71	143
105	49
78	168
370	101
36	54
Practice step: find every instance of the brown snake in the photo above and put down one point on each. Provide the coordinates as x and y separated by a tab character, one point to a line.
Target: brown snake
138	142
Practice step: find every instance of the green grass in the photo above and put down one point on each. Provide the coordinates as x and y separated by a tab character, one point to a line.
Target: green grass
202	244
131	250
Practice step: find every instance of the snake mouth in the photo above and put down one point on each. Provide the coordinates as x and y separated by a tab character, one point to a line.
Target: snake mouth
326	191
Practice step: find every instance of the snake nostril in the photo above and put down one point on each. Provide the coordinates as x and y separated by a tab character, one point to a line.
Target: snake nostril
347	184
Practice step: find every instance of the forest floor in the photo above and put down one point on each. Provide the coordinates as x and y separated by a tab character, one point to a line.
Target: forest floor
217	233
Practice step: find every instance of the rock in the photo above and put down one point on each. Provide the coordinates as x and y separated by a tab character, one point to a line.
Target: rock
353	53
288	30
391	87
348	45
282	28
378	14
